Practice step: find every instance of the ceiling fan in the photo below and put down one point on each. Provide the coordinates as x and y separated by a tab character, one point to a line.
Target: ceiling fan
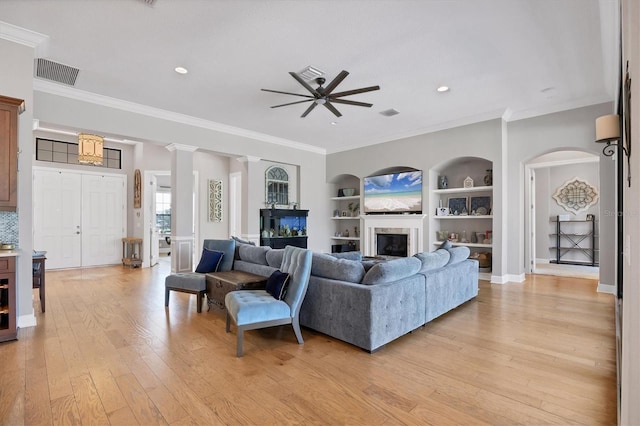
324	95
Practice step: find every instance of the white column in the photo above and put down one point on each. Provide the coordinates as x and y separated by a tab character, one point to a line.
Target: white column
182	207
252	197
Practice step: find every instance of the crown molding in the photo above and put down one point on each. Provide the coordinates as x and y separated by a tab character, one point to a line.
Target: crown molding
84	96
25	37
180	147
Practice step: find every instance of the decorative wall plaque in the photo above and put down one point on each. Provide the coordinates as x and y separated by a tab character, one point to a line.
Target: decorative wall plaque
576	195
215	200
137	189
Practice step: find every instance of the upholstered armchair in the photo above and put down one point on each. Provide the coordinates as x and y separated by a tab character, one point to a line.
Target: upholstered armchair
253	309
210	261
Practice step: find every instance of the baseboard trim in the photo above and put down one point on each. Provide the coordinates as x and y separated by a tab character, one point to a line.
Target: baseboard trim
25	321
508	278
607	288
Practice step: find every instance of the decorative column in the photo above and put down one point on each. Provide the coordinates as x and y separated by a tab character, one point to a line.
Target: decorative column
182	187
252	197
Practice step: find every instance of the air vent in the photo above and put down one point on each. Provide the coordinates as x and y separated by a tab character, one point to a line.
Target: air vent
390	112
54	71
310	73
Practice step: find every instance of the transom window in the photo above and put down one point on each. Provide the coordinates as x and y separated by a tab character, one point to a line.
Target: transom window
67	152
277	180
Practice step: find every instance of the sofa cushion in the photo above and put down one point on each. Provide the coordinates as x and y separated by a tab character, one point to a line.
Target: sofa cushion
277	284
274	257
446	245
327	266
241	241
349	255
458	254
227	247
393	270
209	261
433	260
253	254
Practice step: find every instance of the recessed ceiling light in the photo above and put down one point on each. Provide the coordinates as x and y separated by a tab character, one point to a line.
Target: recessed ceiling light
443	89
181	70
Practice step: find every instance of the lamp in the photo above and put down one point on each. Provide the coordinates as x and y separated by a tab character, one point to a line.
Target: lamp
608	131
90	149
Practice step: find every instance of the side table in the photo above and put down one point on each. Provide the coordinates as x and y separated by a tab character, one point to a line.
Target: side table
221	283
132	252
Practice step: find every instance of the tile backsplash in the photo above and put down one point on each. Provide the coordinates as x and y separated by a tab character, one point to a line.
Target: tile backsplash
9	227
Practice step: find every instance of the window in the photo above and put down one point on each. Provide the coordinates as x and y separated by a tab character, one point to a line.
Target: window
163	212
277	181
67	153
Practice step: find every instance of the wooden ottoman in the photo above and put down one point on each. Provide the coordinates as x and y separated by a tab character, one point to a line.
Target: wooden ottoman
221	283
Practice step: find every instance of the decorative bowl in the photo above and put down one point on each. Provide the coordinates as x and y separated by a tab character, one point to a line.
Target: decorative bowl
348	192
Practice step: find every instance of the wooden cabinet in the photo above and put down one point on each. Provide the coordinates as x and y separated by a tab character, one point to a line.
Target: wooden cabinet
8	329
9	110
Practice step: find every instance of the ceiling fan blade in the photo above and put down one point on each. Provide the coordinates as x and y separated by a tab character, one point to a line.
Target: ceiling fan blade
305	85
332	109
344	101
287	93
355	91
311	107
291	103
343	74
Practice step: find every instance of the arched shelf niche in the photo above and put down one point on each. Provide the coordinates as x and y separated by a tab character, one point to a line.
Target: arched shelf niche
461	210
345	204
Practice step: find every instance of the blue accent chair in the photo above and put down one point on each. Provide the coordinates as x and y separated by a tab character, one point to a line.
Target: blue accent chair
252	309
195	283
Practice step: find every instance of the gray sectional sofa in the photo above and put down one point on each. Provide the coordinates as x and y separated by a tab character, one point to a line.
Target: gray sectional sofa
370	303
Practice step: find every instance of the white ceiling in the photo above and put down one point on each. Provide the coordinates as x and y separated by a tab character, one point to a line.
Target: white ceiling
510	58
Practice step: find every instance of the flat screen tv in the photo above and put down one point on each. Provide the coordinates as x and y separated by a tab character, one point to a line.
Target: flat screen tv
393	193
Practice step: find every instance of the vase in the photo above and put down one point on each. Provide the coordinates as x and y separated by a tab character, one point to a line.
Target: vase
474	237
488	178
443	183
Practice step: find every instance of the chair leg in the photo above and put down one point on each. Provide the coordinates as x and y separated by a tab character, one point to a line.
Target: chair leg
240	333
166	297
296	329
199	296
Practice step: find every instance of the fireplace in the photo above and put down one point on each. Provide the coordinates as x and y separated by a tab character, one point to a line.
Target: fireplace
392	245
410	227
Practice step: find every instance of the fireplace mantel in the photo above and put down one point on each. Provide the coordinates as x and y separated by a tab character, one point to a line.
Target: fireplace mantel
410	224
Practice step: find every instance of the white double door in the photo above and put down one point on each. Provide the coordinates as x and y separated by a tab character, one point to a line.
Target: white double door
79	218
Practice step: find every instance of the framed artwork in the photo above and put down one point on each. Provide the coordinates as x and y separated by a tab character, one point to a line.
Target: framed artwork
137	189
457	205
481	205
215	200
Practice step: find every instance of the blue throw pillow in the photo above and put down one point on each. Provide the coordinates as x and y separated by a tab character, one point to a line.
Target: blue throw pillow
209	261
277	284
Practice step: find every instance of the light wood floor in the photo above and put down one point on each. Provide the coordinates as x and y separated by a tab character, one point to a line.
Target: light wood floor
107	352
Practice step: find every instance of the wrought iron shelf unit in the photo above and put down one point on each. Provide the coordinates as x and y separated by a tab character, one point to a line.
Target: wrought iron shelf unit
570	238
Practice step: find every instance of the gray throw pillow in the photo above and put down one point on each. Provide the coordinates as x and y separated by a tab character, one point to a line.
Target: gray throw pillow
393	270
349	255
458	254
434	260
274	257
327	266
253	254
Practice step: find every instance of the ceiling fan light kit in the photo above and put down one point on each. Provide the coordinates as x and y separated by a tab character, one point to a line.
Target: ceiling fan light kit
324	95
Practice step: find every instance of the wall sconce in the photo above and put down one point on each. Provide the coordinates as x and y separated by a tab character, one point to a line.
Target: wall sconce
608	131
90	149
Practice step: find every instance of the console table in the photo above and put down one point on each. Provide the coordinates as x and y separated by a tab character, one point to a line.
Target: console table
221	283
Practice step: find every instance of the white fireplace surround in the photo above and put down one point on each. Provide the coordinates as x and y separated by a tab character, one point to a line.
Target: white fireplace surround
411	225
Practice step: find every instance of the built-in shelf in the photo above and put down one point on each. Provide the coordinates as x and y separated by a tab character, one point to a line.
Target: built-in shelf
460	190
346	238
351	197
469	216
438	243
346	218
